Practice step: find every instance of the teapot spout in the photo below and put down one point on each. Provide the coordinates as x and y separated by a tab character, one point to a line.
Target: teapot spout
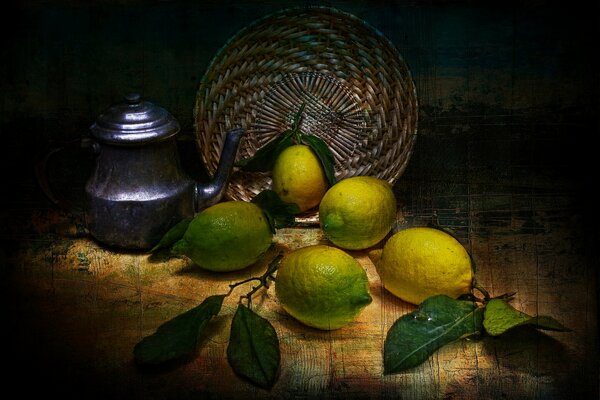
211	193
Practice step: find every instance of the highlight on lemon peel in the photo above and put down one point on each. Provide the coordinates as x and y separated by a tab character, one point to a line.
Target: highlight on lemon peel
417	263
358	212
322	286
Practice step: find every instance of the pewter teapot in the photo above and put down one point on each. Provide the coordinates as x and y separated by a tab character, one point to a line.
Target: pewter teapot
138	190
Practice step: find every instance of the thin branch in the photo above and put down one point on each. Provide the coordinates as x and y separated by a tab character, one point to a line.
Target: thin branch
263	279
485	293
234	285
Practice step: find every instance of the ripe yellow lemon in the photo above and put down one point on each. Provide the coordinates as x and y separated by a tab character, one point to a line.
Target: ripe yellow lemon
298	177
358	212
418	263
226	237
322	286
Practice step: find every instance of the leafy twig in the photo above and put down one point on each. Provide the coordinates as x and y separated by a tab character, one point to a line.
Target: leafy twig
179	337
264	159
440	320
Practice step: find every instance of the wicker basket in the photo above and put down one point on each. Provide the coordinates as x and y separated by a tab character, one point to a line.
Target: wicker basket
358	92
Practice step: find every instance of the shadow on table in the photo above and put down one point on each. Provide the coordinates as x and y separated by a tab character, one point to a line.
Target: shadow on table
536	358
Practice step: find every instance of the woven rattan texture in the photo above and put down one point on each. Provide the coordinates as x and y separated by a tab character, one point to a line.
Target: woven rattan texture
359	94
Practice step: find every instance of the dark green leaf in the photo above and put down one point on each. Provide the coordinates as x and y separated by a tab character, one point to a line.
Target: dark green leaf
439	320
173	235
178	337
264	159
253	350
279	213
500	316
324	154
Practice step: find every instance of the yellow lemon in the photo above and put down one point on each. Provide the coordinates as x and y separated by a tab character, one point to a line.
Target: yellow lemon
322	286
358	212
418	263
226	237
298	177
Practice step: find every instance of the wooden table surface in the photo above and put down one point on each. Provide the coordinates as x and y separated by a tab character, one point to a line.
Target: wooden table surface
76	309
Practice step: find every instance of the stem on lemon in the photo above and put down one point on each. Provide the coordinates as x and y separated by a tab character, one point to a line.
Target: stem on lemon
486	295
506	296
296	124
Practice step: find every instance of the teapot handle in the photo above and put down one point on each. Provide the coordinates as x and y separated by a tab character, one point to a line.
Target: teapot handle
41	170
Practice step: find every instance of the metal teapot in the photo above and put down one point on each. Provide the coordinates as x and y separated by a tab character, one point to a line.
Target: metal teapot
138	190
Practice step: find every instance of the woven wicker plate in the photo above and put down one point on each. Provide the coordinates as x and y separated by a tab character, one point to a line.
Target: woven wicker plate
358	92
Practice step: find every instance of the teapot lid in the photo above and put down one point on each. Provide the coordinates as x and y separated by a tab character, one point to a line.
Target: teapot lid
134	122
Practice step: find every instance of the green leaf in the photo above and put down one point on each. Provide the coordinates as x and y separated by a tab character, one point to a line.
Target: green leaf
324	154
179	336
279	213
500	316
439	320
264	159
173	235
253	350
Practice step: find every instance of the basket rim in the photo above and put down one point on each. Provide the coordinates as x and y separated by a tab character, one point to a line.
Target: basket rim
204	99
333	10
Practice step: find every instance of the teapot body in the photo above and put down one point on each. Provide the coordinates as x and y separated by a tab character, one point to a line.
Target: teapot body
136	193
138	190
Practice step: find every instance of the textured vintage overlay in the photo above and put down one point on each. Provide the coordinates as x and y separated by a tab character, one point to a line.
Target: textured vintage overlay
508	110
94	304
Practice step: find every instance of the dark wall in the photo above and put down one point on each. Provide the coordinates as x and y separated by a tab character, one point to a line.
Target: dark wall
65	61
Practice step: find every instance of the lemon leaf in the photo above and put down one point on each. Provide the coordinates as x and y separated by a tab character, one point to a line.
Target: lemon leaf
324	154
279	213
173	235
179	336
500	317
253	350
264	159
439	320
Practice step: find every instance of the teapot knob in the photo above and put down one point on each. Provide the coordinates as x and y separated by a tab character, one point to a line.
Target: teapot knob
133	98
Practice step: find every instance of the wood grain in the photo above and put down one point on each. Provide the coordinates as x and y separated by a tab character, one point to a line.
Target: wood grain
94	304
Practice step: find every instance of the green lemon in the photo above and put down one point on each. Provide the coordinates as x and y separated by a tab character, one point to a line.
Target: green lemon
322	286
298	177
226	237
418	263
358	212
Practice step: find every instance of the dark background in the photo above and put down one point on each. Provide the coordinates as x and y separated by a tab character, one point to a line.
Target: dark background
497	62
508	100
66	61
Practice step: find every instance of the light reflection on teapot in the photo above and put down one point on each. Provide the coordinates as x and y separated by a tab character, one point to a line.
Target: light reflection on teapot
138	190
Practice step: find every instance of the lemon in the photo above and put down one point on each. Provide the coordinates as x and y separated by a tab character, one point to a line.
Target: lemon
226	237
298	177
322	286
358	212
418	263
